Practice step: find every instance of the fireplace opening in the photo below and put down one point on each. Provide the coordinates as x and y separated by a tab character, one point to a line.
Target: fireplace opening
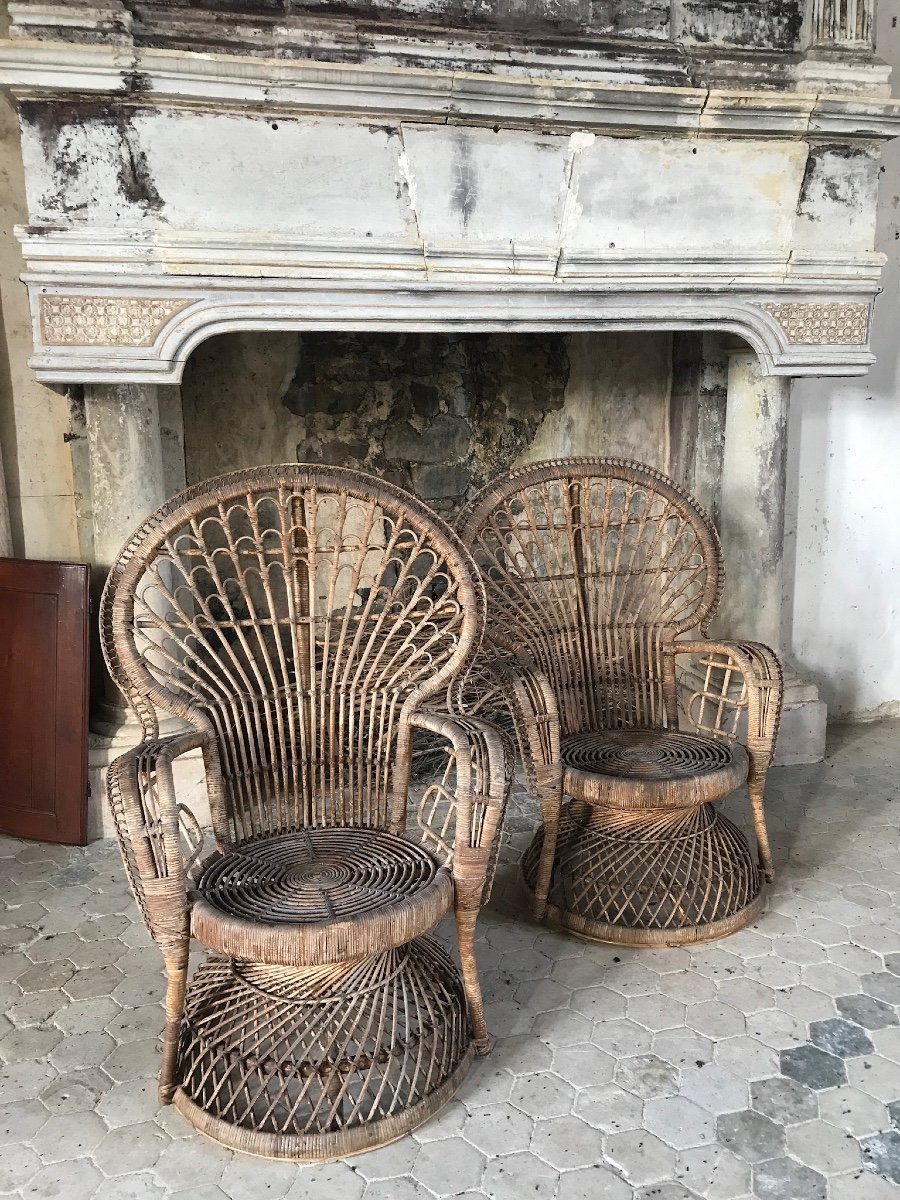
437	413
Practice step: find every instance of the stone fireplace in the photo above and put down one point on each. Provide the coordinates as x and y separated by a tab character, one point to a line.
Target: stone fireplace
435	240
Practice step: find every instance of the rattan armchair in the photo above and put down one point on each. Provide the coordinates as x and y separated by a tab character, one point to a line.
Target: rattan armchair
595	571
301	621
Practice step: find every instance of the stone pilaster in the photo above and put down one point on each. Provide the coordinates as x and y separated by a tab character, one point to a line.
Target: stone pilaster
752	529
125	460
135	461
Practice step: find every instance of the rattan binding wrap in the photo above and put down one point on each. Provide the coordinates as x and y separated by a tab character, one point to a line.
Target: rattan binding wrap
305	623
595	569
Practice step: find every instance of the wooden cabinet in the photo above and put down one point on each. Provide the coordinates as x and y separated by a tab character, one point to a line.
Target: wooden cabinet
44	610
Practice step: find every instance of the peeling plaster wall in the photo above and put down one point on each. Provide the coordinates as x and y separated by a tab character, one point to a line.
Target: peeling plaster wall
34	420
439	414
844	495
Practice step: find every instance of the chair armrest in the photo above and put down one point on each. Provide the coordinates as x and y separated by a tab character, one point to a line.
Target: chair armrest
738	678
515	685
461	813
159	837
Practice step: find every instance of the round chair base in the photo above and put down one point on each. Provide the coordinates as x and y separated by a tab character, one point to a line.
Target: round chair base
314	1063
663	878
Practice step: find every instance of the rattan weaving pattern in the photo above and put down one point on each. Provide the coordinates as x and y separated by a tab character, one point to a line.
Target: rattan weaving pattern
312	1060
661	878
316	875
645	753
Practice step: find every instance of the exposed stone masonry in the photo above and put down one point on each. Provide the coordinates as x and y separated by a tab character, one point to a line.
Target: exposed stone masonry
438	414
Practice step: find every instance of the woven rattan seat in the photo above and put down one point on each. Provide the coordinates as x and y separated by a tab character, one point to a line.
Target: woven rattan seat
319	896
306	623
650	768
598	571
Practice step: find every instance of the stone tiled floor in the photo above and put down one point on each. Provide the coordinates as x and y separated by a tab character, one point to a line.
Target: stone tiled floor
762	1066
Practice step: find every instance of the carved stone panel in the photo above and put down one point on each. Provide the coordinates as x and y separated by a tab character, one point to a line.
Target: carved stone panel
104	320
822	324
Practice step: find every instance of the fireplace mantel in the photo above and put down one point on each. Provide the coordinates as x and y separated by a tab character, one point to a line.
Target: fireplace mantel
312	173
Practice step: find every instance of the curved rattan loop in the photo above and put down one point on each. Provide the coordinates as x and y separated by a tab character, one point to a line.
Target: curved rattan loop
475	524
294	481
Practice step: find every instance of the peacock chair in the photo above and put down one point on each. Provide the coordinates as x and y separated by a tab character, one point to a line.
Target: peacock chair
299	620
630	724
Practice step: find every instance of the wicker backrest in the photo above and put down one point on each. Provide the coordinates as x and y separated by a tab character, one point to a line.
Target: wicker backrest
593	566
298	613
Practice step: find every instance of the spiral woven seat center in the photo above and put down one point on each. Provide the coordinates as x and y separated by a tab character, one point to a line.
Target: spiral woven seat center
318	895
317	874
650	768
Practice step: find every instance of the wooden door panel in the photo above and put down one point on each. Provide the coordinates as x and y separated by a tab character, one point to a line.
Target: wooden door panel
43	700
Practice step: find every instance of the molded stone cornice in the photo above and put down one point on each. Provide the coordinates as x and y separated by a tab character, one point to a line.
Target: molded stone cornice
146	334
223	82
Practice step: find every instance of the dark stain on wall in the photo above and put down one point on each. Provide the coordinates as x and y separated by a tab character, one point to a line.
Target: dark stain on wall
750	24
838	174
56	124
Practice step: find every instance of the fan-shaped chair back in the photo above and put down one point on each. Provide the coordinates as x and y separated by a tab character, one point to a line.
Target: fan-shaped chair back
592	567
300	614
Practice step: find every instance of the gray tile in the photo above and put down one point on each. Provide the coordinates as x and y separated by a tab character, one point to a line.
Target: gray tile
567	1143
867	1011
449	1166
130	1149
679	1122
593	1183
641	1157
18	1165
783	1100
813	1067
503	1178
498	1129
850	1109
824	1147
665	1191
543	1095
714	1088
610	1108
713	1172
141	1186
646	1075
74	1180
840	1037
77	1091
881	1153
882	985
583	1065
68	1136
750	1135
20	1120
785	1179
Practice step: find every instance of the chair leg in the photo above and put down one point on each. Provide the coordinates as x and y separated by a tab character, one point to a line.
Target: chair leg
176	976
550	798
545	868
465	934
756	790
